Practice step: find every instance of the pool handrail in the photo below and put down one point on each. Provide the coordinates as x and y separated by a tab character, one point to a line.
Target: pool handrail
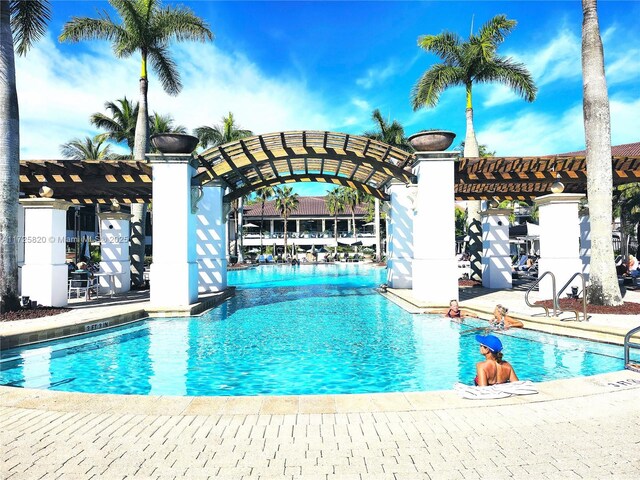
554	301
584	295
627	345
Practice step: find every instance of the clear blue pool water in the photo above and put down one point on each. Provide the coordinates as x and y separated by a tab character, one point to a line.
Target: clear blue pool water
293	331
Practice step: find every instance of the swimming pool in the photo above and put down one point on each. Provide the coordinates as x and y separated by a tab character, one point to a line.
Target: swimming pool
309	329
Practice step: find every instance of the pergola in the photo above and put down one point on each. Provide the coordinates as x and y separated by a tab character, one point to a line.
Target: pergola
311	156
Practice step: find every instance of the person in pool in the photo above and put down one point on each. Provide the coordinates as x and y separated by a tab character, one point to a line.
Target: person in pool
456	312
502	320
493	369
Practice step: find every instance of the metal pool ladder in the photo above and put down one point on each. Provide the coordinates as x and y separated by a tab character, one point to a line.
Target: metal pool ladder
554	301
627	345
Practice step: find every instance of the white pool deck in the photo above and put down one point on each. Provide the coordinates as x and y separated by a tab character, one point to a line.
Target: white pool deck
579	428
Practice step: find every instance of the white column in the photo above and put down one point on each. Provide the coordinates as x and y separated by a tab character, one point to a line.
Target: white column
271	228
435	270
399	274
45	272
585	240
114	251
559	239
240	230
496	261
298	227
324	225
174	271
211	240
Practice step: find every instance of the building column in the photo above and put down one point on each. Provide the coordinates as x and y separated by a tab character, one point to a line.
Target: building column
271	228
585	240
45	273
559	239
435	269
114	251
20	246
174	271
496	258
211	240
400	238
376	220
324	225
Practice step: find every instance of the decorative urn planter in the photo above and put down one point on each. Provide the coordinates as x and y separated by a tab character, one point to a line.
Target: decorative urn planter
174	142
432	140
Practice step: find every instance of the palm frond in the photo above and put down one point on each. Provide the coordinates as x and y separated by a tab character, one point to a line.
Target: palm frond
433	82
166	68
496	29
28	22
180	24
513	74
83	28
445	45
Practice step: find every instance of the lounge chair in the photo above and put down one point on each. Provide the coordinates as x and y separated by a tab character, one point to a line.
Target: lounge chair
269	258
82	285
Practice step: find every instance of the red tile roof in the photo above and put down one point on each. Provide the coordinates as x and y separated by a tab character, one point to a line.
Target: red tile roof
624	150
308	207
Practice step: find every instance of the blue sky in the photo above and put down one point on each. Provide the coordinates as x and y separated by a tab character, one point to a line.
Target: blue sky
326	65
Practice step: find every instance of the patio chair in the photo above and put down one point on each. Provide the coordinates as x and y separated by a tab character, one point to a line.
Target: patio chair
82	285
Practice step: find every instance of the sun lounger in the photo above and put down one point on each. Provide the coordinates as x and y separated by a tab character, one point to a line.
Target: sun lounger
503	390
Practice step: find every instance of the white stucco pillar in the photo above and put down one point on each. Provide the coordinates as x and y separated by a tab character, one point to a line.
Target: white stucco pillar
435	269
211	240
114	251
400	237
559	239
45	272
585	240
496	261
174	271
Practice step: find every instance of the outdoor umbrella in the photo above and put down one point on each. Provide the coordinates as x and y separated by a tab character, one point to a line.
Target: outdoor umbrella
250	225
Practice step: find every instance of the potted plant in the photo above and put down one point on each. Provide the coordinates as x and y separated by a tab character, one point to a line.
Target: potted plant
432	140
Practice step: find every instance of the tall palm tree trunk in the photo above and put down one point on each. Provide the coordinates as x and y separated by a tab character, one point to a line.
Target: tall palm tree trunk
603	288
474	227
139	210
9	165
335	232
285	232
261	225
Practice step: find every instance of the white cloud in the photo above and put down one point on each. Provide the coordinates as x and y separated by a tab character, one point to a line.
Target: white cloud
544	134
376	76
361	104
58	93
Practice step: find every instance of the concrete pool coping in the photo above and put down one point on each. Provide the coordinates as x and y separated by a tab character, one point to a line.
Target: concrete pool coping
51	400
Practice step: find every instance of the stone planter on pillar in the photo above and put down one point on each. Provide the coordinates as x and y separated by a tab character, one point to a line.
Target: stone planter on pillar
114	251
496	258
174	271
45	272
559	240
211	240
435	269
585	240
400	236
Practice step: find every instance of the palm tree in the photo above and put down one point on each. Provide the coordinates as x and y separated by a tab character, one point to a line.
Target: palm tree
335	205
263	194
626	206
159	123
227	132
121	125
87	149
21	24
351	198
389	133
466	63
146	27
603	280
286	203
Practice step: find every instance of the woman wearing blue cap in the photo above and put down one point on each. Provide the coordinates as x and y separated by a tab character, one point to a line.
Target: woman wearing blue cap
493	370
